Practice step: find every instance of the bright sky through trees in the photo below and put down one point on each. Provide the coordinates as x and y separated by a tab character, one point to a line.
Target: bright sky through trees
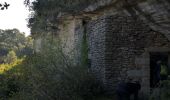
15	16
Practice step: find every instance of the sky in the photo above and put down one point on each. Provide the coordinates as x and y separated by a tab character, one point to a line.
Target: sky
15	16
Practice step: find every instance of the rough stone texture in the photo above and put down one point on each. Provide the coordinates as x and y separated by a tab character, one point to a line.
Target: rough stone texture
96	41
71	33
156	13
66	35
118	46
78	38
98	4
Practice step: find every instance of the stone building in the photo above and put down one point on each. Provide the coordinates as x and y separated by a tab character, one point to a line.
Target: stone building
125	39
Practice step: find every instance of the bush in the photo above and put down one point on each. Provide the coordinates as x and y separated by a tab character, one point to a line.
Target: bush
162	92
11	57
51	75
10	75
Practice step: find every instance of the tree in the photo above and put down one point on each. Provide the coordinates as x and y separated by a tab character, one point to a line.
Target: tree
14	40
11	57
44	19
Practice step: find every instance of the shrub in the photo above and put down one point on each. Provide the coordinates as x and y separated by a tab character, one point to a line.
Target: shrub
51	75
162	92
11	57
10	75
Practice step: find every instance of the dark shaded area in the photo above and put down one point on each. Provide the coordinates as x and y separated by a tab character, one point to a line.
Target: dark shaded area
126	90
154	58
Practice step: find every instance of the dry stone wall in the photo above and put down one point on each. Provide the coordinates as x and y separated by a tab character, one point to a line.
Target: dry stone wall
115	42
96	41
71	34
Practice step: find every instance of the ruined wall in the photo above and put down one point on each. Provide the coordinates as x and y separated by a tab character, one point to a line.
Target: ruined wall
66	35
71	32
69	38
118	47
96	40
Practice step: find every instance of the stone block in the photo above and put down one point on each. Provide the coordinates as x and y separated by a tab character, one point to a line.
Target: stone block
135	73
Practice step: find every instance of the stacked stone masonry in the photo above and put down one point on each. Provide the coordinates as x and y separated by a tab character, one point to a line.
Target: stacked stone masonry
116	43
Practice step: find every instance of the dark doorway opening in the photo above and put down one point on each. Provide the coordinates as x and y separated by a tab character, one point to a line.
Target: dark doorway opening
154	58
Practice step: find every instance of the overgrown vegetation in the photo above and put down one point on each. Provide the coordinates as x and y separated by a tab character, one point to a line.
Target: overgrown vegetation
13	42
84	51
48	75
44	19
10	75
14	47
162	92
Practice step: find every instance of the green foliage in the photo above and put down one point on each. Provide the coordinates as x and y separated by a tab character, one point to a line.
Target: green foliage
49	75
84	51
44	18
162	92
6	67
164	70
165	90
64	82
54	76
10	75
11	57
14	40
